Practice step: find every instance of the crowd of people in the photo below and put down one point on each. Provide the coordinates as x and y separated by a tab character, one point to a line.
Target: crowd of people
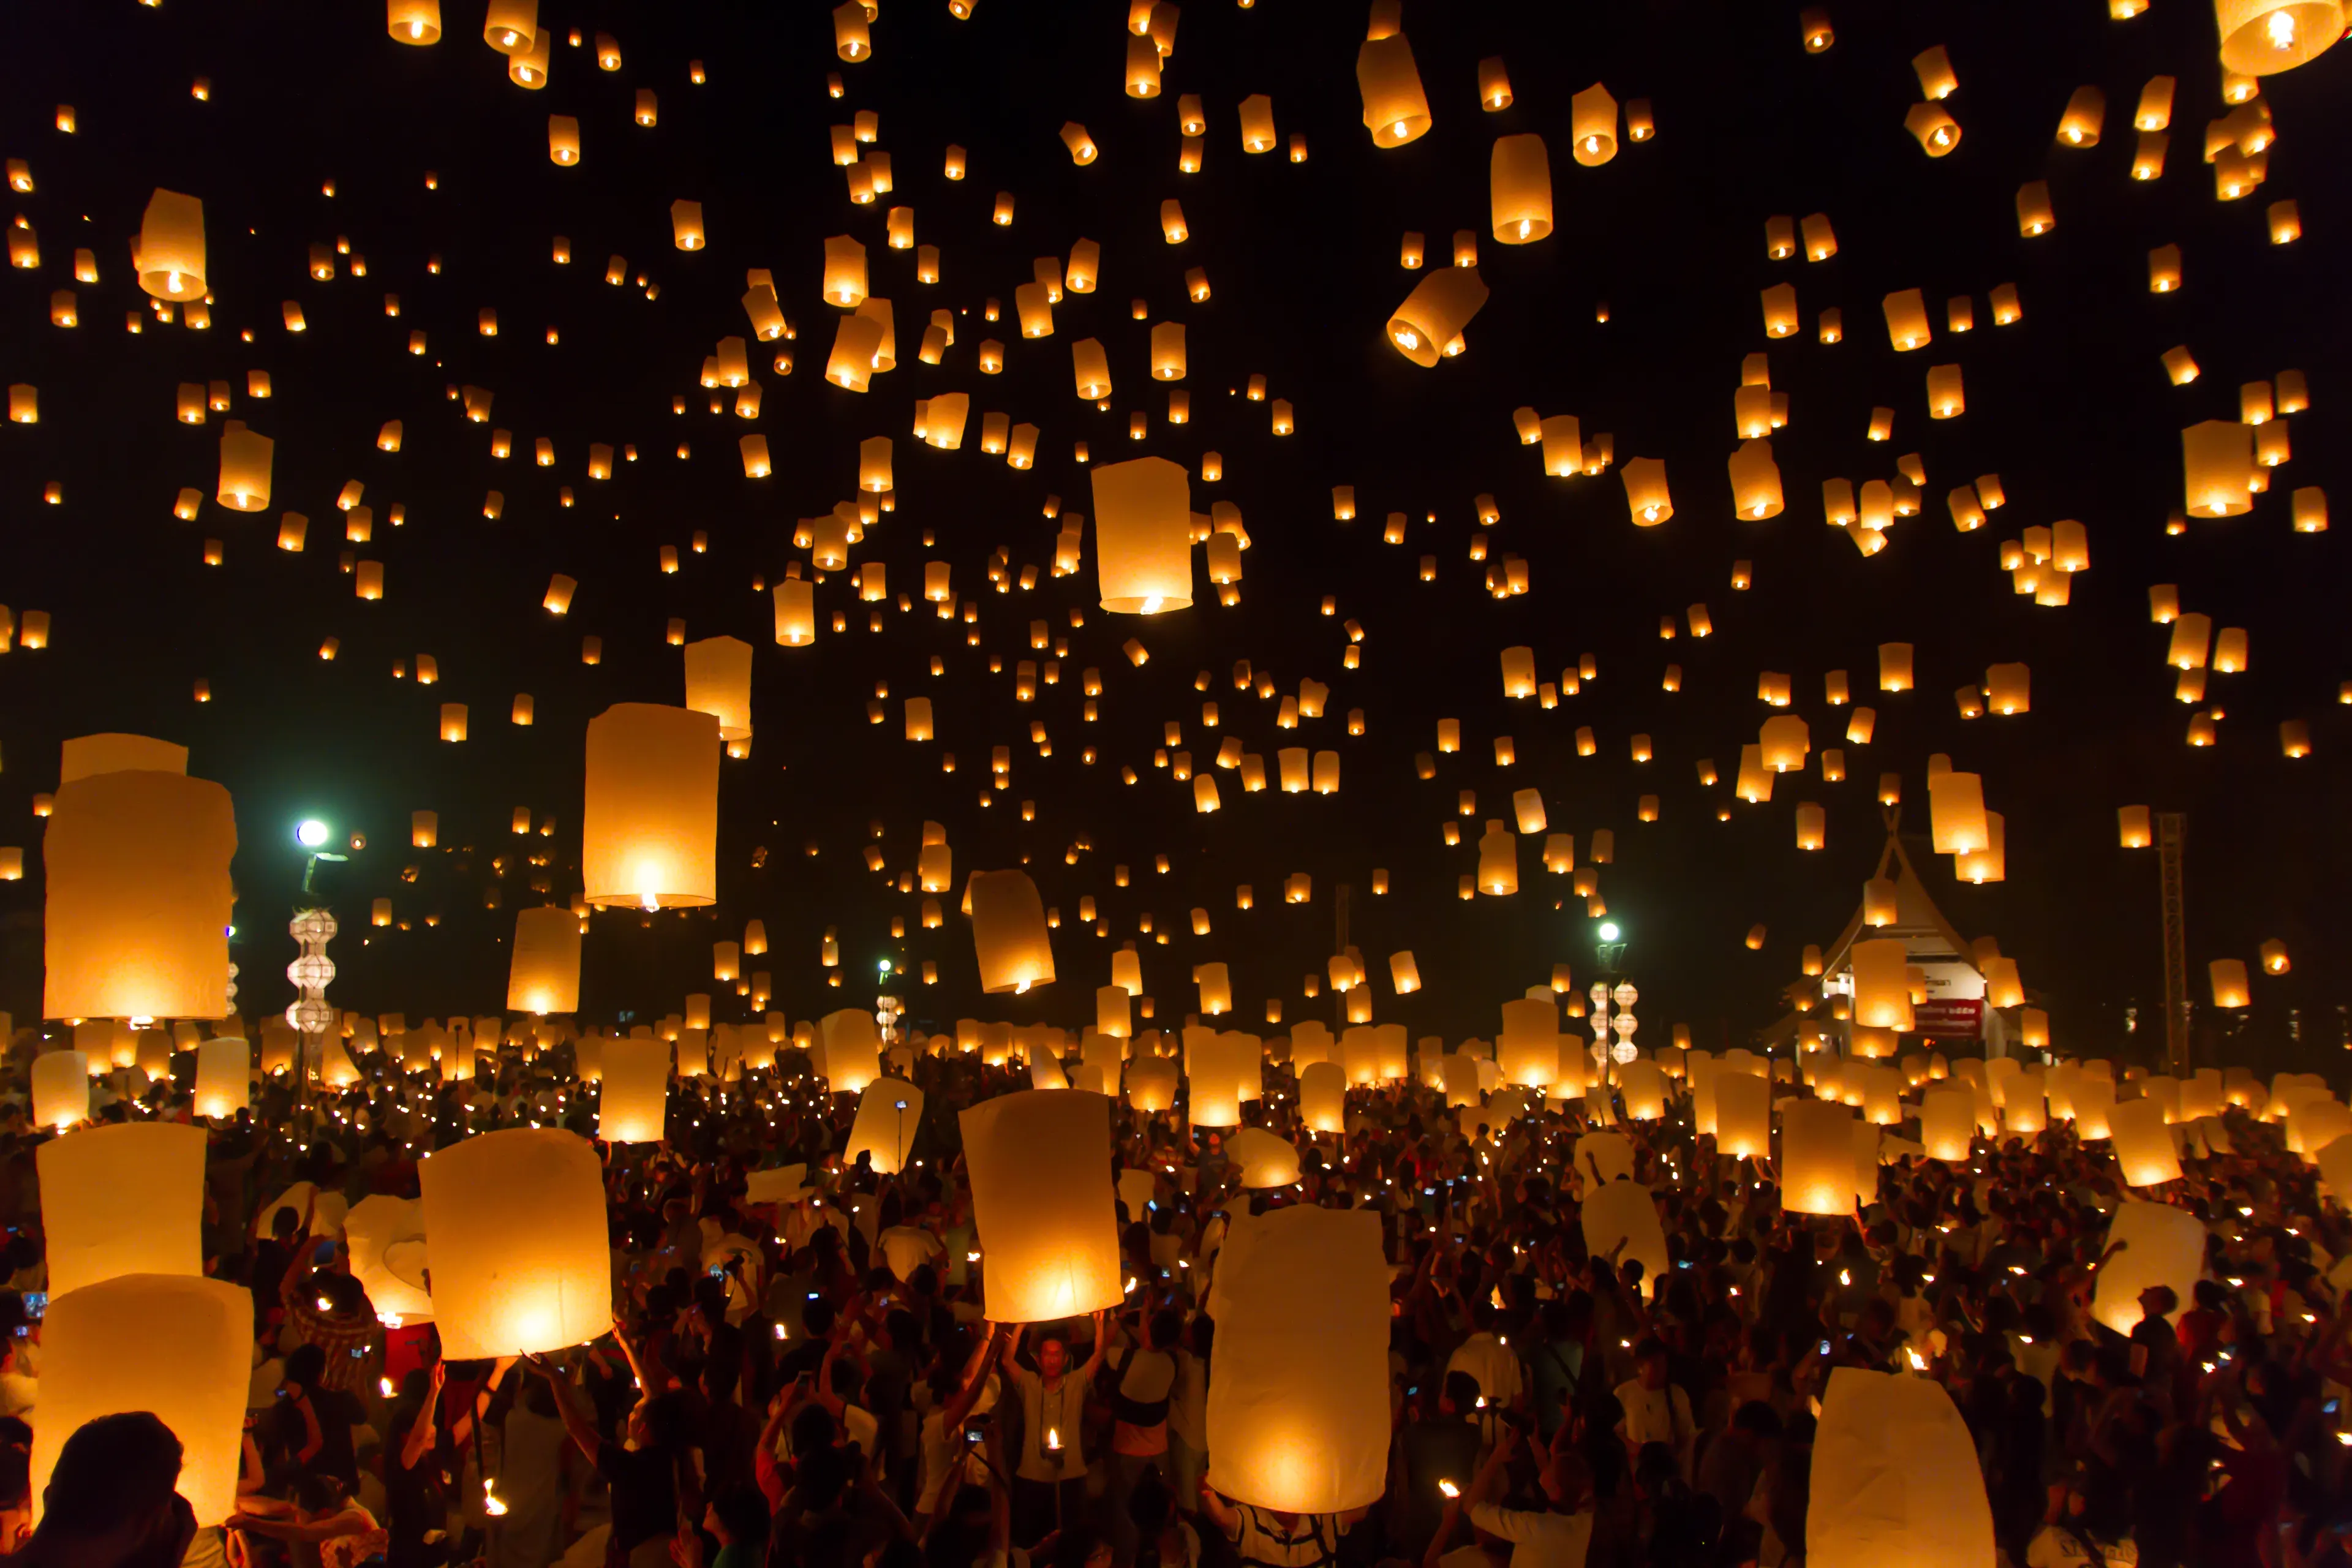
809	1379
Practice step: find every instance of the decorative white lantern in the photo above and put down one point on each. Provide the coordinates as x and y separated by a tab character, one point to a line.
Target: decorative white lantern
520	1253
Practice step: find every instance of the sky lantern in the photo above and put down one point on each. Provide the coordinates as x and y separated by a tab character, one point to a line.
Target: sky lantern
1895	1477
1039	1164
1297	1421
519	1254
649	823
1143	559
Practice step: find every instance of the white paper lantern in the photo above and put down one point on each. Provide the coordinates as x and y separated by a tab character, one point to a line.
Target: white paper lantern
1039	1164
1298	1414
126	1199
180	1346
521	1259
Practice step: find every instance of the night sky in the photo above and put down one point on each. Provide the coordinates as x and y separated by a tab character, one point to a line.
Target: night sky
432	153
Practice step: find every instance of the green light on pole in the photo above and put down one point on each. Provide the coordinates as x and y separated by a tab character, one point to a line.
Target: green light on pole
311	834
1608	932
883	967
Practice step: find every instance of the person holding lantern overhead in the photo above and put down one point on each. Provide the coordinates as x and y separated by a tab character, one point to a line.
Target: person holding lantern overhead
1049	1480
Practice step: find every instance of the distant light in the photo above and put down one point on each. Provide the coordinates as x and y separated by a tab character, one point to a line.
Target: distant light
310	833
1608	930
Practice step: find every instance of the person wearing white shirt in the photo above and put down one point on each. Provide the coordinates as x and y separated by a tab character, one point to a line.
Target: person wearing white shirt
1557	1536
1656	1410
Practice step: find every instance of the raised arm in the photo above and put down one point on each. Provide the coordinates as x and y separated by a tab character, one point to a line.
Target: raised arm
419	1440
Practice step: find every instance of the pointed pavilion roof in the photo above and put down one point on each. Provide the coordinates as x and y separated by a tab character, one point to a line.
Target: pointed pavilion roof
1918	921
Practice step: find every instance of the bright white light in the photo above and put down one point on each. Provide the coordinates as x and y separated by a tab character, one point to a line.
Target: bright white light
1608	930
310	833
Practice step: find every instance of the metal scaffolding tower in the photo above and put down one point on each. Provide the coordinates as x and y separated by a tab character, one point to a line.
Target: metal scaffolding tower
2171	834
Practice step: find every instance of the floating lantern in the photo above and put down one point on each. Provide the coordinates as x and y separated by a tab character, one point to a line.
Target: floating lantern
138	897
1592	116
1519	182
1895	1477
176	1346
1435	313
543	975
519	1248
649	822
1396	110
121	1200
1143	559
1300	1297
1009	932
1039	1164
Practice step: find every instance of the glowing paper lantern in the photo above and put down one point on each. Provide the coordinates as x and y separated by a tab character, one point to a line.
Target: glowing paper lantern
60	1083
1039	1162
2228	976
1396	109
1266	1161
1817	1158
112	754
1009	932
1143	555
852	1049
125	1199
1323	1096
139	898
543	976
387	1245
1151	1085
178	1346
224	1077
718	682
890	1114
1528	1048
2263	37
636	1103
1297	1416
169	254
1435	313
1743	1114
521	1259
1895	1477
1519	180
2143	1143
1947	1122
1622	1211
2167	1247
649	820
